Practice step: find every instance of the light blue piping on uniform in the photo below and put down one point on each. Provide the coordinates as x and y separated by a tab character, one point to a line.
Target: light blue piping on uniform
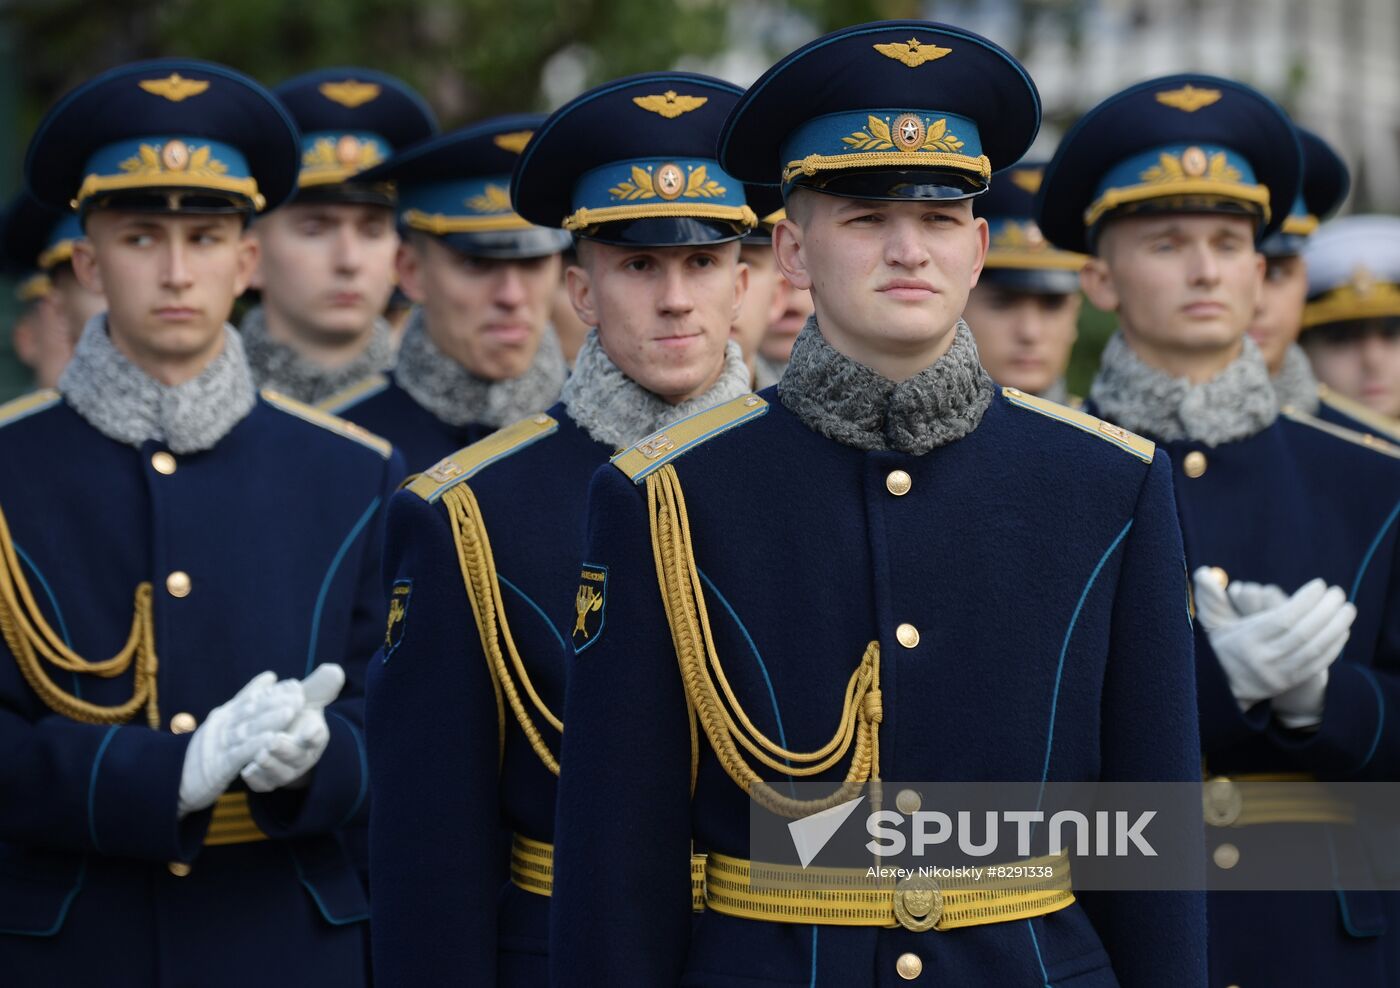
330	576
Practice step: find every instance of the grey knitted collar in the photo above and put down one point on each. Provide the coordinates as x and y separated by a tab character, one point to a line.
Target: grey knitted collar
458	397
1237	403
281	367
122	402
1295	385
847	401
614	409
1058	392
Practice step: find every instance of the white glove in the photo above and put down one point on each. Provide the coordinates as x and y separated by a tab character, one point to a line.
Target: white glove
1273	646
289	755
233	733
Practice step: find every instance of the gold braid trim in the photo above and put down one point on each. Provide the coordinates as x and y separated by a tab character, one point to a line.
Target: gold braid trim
478	566
581	219
30	639
712	699
814	163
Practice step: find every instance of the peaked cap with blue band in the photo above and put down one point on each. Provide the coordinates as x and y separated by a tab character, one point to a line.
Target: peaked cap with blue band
457	187
1326	181
633	162
1187	143
1019	258
34	236
134	135
891	110
352	119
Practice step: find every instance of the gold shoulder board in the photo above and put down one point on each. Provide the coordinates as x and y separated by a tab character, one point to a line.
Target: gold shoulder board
432	483
1383	426
1143	449
24	405
326	420
1376	443
662	447
351	396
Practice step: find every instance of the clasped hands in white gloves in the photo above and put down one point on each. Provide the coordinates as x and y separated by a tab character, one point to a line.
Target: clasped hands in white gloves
1275	646
272	733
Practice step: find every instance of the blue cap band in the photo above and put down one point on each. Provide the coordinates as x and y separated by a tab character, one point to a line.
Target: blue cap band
169	162
1179	170
658	187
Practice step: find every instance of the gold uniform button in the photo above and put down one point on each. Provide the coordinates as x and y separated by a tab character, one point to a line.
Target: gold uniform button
178	583
163	462
907	635
183	723
1226	856
909	966
179	869
1194	464
898	483
908	801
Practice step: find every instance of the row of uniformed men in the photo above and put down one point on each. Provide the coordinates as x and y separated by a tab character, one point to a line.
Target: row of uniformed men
884	398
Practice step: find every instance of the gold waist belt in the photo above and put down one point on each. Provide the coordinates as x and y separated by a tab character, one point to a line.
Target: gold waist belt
532	869
852	897
1246	800
232	822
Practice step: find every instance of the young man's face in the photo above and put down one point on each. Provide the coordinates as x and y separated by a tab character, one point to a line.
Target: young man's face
488	315
761	301
1024	338
795	306
886	277
327	270
663	313
1181	284
42	341
1279	316
1360	360
169	279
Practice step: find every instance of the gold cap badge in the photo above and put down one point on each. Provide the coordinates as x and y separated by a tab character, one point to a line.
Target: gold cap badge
176	88
1027	179
913	52
1188	98
669	104
515	141
349	93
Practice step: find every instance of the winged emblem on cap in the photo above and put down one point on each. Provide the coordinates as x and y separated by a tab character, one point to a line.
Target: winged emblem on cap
1027	179
176	88
913	52
670	104
349	93
515	141
1188	98
493	199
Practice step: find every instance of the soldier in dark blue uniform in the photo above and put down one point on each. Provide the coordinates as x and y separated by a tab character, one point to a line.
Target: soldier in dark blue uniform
1168	183
177	542
887	525
39	239
1279	318
1351	322
327	264
483	548
765	294
478	352
1024	312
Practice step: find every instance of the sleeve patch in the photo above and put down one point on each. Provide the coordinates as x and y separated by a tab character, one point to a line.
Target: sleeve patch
399	598
589	604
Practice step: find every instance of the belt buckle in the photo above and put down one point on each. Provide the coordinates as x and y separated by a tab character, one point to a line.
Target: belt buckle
918	903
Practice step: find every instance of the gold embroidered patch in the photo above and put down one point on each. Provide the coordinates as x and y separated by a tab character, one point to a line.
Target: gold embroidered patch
398	616
1188	98
670	104
1028	179
588	605
349	93
913	52
515	141
493	199
909	133
344	152
176	88
663	183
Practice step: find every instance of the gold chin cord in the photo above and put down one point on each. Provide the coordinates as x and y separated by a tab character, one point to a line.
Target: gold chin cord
484	591
712	701
32	641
